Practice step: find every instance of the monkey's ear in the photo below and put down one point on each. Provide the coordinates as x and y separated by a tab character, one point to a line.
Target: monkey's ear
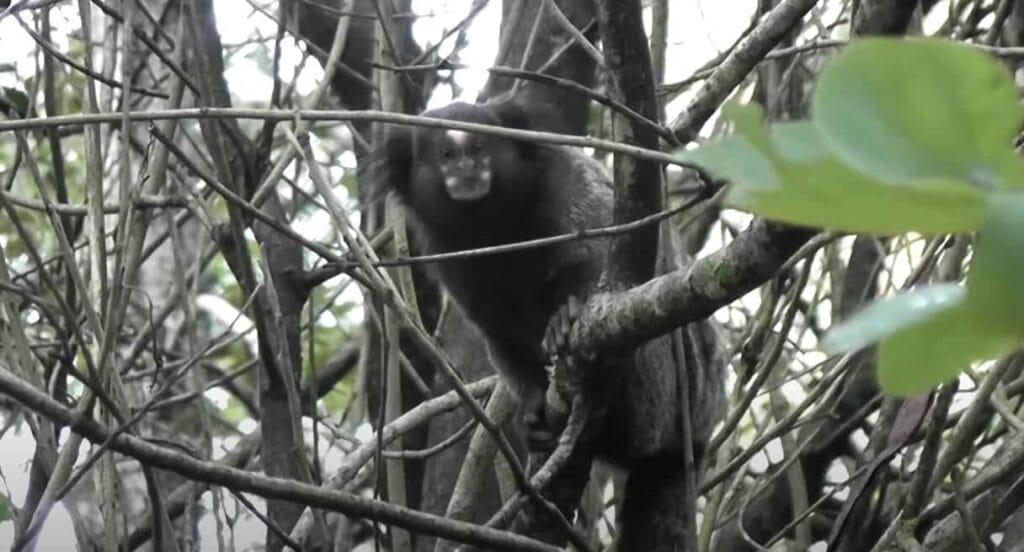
512	115
397	144
541	116
388	165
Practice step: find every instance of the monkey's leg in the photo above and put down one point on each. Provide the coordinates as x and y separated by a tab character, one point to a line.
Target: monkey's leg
546	422
653	514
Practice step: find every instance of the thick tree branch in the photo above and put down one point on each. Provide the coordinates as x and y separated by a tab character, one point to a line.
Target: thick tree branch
532	39
884	17
637	182
626	319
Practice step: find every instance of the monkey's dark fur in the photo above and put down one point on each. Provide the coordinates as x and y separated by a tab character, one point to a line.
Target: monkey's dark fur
465	191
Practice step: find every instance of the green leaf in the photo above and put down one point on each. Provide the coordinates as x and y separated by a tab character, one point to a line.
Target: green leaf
735	159
749	121
792	178
341	395
234	411
799	142
830	195
914	109
350	182
885	317
5	509
994	285
17	99
919	357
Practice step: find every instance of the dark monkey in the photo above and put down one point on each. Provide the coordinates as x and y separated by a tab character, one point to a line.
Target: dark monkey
464	191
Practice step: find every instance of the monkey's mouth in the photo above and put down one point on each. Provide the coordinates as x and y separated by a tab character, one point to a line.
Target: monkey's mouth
467	189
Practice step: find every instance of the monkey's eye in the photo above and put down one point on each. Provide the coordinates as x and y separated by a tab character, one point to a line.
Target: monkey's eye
447	154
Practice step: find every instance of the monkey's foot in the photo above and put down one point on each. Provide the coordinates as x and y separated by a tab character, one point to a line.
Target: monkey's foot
546	421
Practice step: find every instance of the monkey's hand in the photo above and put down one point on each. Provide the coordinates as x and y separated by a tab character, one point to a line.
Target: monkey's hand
563	362
556	343
546	419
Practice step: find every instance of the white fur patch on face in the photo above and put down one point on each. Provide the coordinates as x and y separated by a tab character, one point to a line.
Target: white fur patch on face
460	137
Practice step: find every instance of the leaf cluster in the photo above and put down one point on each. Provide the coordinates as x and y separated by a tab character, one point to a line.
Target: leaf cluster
904	136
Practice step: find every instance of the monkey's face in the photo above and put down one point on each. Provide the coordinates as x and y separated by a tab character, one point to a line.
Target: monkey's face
457	177
464	161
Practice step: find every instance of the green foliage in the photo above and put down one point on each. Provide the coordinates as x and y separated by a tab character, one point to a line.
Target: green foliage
234	412
16	99
351	183
5	509
907	110
337	400
334	328
219	277
994	287
916	358
905	136
329	338
887	316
